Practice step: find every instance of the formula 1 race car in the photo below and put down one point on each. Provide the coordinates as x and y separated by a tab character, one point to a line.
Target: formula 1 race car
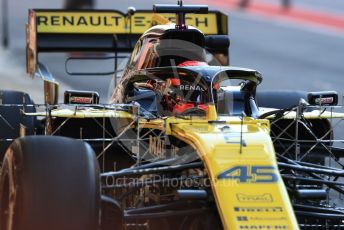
185	142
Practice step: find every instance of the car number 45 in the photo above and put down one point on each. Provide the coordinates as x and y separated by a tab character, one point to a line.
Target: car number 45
250	174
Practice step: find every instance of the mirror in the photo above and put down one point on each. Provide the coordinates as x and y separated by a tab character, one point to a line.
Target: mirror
97	64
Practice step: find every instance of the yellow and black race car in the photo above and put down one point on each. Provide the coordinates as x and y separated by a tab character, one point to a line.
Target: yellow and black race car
182	143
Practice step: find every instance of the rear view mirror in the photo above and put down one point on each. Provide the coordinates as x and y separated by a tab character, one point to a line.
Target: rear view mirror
323	98
100	65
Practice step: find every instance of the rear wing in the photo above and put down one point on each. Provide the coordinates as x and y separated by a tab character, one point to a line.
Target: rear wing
102	30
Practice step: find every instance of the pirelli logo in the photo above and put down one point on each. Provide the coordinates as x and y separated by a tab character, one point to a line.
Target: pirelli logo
103	22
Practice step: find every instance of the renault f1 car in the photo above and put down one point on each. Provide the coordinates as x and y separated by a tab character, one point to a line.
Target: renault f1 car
185	142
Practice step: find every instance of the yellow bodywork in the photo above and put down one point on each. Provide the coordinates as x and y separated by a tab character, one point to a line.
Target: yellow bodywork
247	204
83	113
239	158
237	153
110	113
112	22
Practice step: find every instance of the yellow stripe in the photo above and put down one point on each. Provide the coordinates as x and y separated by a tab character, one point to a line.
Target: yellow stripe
113	22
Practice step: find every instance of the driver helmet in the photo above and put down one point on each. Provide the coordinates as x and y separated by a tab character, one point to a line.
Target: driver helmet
191	94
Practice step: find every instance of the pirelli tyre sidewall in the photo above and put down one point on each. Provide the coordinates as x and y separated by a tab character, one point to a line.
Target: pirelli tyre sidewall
49	183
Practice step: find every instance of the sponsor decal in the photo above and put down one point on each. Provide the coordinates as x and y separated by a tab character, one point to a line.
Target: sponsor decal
258	209
231	139
157	147
110	22
242	218
191	87
71	20
264	198
250	174
81	100
263	227
268	218
324	100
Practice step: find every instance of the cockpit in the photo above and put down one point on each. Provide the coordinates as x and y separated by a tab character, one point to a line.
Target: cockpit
188	90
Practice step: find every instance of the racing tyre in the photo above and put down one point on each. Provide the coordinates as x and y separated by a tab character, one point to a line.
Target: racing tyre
49	183
11	118
320	127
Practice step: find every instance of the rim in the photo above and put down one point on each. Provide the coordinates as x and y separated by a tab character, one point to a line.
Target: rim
5	205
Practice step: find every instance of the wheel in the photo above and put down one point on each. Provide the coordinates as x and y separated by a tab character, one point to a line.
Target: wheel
280	99
283	128
49	183
11	118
